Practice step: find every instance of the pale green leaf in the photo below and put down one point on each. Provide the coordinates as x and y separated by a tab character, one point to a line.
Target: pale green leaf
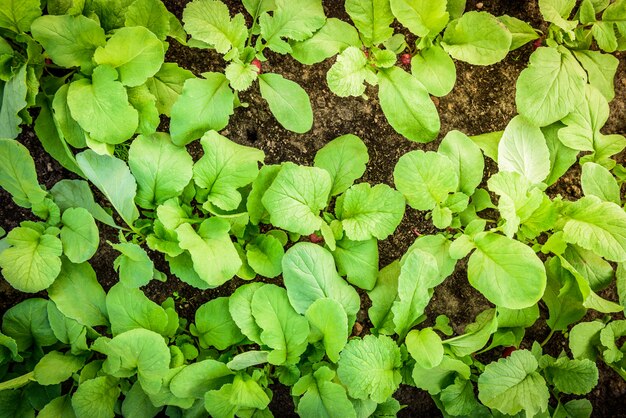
167	85
425	347
372	18
288	102
128	308
344	158
214	325
18	15
521	32
96	398
347	75
209	21
434	68
598	181
18	175
27	324
329	323
56	367
151	14
265	255
292	19
239	306
467	157
79	235
358	260
601	69
423	18
196	379
14	100
241	76
333	38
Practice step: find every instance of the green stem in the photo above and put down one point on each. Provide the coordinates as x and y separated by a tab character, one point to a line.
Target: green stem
18	382
548	338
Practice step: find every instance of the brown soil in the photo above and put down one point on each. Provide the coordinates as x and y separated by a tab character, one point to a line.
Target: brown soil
483	100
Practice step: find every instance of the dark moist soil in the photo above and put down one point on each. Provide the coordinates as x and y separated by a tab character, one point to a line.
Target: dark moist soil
482	101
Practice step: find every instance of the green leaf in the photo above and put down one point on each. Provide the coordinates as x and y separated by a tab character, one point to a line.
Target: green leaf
506	272
138	351
598	181
17	16
288	102
55	368
577	408
372	18
418	275
241	76
209	21
358	260
597	226
70	41
407	105
344	158
77	194
167	86
240	308
329	323
113	178
144	103
562	297
265	255
96	398
601	69
101	107
577	377
383	296
14	100
79	235
347	75
135	52
161	169
521	32
476	334
477	38
27	323
333	38
129	308
78	295
436	379
18	175
58	407
422	17
522	389
246	359
296	197
585	121
151	14
562	157
467	157
67	330
583	339
309	274
204	104
434	68
292	19
283	329
369	368
214	325
224	168
550	87
32	262
557	11
214	256
370	212
137	404
425	347
523	150
425	178
194	380
322	396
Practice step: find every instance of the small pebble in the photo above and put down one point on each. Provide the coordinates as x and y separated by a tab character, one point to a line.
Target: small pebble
479	5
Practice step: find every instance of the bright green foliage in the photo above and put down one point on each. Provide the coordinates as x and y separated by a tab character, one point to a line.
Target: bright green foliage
167	84
506	271
77	194
513	384
138	351
292	19
423	18
32	262
425	347
79	235
18	175
224	168
214	325
56	368
344	158
521	32
282	329
78	295
151	14
599	182
600	69
577	377
113	178
245	393
161	169
369	368
96	398
265	255
562	297
14	100
329	323
135	52
467	157
372	18
418	274
358	260
144	102
288	102
197	378
241	76
383	296
333	38
585	121
214	256
17	16
322	397
476	334
347	76
204	104
459	398
27	324
209	21
296	197
101	107
407	105
129	308
434	68
69	40
58	407
138	404
550	87
478	38
370	212
309	274
240	308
